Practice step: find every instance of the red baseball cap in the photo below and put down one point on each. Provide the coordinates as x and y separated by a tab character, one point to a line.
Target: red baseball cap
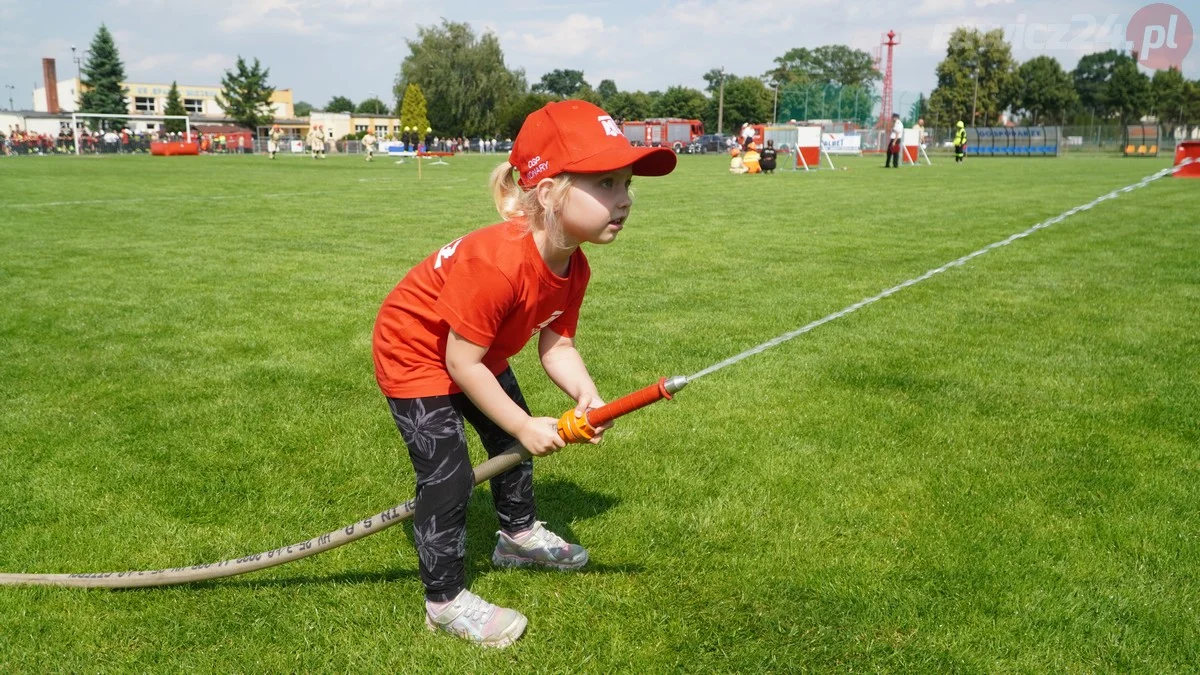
578	137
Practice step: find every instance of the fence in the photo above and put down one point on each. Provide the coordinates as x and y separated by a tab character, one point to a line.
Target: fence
1083	138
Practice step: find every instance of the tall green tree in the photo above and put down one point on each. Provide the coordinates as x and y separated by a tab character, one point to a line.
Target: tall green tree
976	72
103	74
917	110
1169	91
586	93
413	111
564	83
464	78
1042	90
302	109
713	79
1192	108
517	109
1127	93
683	102
245	95
828	64
627	106
174	107
372	106
339	104
606	90
1092	75
747	99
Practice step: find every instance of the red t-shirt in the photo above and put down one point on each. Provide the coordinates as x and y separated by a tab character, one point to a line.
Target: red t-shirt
492	287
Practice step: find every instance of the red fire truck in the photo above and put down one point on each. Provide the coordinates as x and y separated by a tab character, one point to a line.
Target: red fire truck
671	132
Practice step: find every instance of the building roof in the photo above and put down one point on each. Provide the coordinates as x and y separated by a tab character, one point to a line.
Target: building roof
37	114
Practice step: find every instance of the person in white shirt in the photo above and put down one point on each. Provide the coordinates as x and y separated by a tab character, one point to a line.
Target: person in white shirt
895	140
273	140
368	141
747	135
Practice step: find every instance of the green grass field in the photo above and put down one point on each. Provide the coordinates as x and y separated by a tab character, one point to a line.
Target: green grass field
996	470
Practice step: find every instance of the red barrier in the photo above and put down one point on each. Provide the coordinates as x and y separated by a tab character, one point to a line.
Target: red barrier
1190	150
174	148
812	157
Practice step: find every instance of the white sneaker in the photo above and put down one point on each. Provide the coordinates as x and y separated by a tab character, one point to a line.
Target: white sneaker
539	547
474	619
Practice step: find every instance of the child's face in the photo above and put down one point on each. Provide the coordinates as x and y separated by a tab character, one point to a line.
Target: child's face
596	206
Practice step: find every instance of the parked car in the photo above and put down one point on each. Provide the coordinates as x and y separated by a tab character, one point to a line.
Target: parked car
708	143
504	146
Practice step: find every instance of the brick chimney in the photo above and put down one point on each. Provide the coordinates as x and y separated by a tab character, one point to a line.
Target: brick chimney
51	79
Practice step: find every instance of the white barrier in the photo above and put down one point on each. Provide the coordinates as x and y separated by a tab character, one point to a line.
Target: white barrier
809	149
911	149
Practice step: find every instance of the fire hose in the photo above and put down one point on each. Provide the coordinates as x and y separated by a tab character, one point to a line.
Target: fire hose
571	429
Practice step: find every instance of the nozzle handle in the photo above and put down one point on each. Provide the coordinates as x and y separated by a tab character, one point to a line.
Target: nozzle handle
574	429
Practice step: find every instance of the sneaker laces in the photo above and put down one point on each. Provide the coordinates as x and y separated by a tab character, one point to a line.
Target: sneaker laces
548	538
476	608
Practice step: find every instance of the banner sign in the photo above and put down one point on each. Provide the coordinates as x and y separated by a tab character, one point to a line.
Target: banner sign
841	144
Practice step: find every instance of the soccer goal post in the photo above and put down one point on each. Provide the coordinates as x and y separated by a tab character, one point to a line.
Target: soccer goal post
75	116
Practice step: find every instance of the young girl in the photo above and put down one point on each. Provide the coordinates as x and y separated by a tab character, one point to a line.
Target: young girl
444	335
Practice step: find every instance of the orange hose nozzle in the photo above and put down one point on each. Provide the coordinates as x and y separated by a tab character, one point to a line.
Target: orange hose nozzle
581	429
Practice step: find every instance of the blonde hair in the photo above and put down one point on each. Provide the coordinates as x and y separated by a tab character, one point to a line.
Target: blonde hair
513	202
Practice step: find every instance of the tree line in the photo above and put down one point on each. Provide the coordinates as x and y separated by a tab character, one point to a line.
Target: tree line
472	92
980	77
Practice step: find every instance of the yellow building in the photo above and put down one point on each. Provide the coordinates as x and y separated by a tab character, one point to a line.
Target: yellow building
147	98
340	125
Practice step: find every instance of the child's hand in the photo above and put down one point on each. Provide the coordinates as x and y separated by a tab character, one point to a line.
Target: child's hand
540	436
588	402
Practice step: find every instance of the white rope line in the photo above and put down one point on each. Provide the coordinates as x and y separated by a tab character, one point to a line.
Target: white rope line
954	263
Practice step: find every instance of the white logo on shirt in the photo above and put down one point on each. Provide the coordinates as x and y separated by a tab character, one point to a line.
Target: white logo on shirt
610	127
557	313
446	252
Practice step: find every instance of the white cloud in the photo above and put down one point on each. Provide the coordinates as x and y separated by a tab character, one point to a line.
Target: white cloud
574	35
212	65
939	8
154	61
286	16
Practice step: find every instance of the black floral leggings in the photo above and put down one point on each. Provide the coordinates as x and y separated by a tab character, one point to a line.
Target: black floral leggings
432	427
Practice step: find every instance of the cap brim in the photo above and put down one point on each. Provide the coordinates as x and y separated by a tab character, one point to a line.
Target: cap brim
645	161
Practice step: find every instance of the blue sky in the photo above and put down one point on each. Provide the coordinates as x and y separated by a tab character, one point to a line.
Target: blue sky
322	48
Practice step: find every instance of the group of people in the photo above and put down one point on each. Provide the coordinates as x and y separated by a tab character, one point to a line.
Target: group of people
746	157
750	160
20	142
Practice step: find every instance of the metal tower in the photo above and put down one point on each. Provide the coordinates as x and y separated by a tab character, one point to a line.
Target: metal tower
890	40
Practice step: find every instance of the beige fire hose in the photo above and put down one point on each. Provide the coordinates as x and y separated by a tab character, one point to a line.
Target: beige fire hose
571	428
259	561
